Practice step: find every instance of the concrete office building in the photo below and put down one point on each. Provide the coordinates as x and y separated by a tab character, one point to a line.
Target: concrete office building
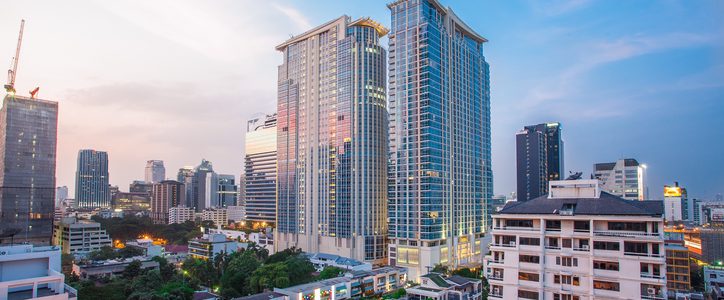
91	180
79	237
227	191
678	272
132	202
140	186
332	141
676	203
578	242
219	216
155	171
260	170
440	166
186	176
166	194
61	193
27	169
180	214
205	186
539	159
623	178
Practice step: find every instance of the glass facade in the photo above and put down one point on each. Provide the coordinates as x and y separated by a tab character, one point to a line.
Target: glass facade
260	170
539	159
27	172
91	180
332	141
155	171
440	171
227	191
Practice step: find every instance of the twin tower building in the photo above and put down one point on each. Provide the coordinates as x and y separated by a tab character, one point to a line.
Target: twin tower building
385	157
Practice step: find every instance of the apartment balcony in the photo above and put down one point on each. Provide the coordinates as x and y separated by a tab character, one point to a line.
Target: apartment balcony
509	245
645	255
631	234
653	297
661	278
495	296
513	228
548	247
495	278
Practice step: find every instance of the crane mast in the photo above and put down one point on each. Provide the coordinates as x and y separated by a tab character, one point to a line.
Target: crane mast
13	71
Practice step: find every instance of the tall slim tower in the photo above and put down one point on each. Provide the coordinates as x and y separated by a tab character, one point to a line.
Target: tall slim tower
539	159
227	191
205	184
166	194
332	141
91	180
28	139
440	172
155	171
186	176
259	184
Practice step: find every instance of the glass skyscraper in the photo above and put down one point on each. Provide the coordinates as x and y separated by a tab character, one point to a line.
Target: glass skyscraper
155	171
332	141
91	180
227	191
28	129
539	159
260	170
440	171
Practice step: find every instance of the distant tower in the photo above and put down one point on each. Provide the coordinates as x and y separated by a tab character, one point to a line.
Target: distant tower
186	177
623	178
91	180
205	184
166	194
27	169
260	170
539	159
155	171
227	191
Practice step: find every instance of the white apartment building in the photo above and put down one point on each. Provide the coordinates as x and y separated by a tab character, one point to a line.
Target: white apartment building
180	214
623	178
578	243
218	215
28	272
79	237
209	245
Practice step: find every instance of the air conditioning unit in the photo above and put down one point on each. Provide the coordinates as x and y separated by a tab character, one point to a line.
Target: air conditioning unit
651	291
585	247
497	274
512	243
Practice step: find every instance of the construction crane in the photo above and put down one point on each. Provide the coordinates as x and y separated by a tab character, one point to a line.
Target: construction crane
13	71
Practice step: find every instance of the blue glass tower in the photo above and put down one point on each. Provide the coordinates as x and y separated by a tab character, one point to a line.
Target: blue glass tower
440	172
91	180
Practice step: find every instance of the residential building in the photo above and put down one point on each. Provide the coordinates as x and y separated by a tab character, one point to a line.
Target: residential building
539	159
623	178
180	214
260	169
578	242
155	171
30	272
236	213
263	238
706	245
186	176
217	215
676	203
696	212
435	286
61	193
323	260
332	141
111	268
265	296
79	237
205	183
714	281
27	169
439	131
91	180
678	276
353	285
228	191
166	194
495	204
208	246
132	202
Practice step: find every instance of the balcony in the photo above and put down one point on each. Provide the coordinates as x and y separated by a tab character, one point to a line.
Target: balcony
632	234
495	296
498	277
549	247
513	228
644	254
582	249
653	297
509	245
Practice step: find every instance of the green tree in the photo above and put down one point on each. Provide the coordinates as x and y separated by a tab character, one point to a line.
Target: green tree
300	269
132	270
330	272
237	273
440	268
105	253
269	276
129	252
466	272
166	269
283	255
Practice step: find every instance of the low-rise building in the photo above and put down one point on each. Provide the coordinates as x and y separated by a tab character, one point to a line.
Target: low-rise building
210	245
217	215
678	276
79	237
235	213
578	242
353	285
180	214
264	239
28	272
110	268
434	286
322	260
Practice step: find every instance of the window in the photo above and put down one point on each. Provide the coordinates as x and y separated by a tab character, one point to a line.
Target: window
553	242
635	247
527	294
519	223
627	226
567	279
530	241
529	259
565	297
553	224
581	225
567	261
611	246
605	285
567	243
528	276
605	265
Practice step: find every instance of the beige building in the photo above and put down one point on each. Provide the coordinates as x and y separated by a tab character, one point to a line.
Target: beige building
75	236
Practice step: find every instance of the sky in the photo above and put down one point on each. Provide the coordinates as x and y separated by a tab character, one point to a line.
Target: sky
177	80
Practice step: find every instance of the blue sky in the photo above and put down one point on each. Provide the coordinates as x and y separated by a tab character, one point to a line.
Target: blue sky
176	80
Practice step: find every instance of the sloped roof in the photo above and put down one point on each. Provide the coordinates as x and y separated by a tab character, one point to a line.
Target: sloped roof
606	204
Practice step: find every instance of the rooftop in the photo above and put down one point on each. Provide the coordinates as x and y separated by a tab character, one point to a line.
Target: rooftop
262	296
606	204
314	285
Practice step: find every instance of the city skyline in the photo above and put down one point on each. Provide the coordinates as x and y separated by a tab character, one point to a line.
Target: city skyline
632	76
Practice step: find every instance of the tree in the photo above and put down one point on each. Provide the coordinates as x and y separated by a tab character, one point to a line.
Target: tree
105	253
129	252
237	273
466	272
283	255
300	269
166	270
132	270
269	276
440	268
330	272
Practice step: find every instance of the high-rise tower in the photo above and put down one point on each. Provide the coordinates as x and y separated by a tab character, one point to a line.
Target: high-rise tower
260	170
155	171
440	171
28	141
332	141
539	159
91	180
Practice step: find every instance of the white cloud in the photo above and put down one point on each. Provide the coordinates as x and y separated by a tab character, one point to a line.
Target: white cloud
299	19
